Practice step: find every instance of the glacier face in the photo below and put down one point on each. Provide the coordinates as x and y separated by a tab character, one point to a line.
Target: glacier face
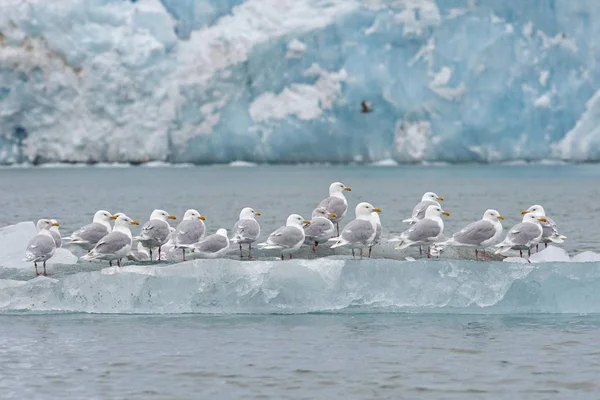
209	81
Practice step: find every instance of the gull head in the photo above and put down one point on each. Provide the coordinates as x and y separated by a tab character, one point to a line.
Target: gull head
492	215
365	209
536	209
248	213
46	224
222	232
296	220
430	196
435	211
124	220
530	217
338	187
193	214
103	216
322	212
162	215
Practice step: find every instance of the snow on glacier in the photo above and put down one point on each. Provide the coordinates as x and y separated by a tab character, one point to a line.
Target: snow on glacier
209	81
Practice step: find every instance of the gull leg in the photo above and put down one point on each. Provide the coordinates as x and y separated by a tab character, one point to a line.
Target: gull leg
476	255
183	251
110	263
353	256
314	247
45	273
521	253
159	249
36	270
282	257
529	252
484	256
150	249
428	252
370	248
545	245
249	251
420	251
337	225
361	253
241	254
291	256
537	247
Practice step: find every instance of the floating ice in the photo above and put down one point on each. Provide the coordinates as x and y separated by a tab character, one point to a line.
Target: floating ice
550	254
586	256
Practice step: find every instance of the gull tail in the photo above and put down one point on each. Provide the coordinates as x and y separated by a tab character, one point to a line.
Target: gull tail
395	240
339	242
410	221
88	257
502	249
557	238
268	246
402	245
235	239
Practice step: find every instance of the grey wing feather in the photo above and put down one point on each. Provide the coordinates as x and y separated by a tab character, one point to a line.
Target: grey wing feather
246	229
377	233
286	236
334	205
318	227
475	233
523	233
549	228
57	238
423	231
189	231
419	210
211	244
112	243
155	230
358	231
40	245
91	233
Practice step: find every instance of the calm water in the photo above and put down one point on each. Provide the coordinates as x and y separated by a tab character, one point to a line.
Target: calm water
331	355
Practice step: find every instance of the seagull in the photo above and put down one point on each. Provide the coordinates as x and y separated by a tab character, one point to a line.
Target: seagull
550	230
428	199
116	244
87	236
246	230
56	233
42	246
378	230
479	234
189	231
288	238
320	229
156	231
426	231
336	203
359	233
524	235
212	246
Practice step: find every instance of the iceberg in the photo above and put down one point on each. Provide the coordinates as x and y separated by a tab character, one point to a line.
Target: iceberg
268	81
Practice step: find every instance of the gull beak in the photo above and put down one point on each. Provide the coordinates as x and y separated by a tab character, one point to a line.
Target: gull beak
307	222
257	213
440	198
523	212
543	219
377	210
446	213
172	217
332	215
114	216
55	224
202	218
135	223
500	217
348	189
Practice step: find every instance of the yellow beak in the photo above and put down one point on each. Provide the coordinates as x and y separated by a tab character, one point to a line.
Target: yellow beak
55	224
256	213
500	217
377	210
446	213
523	212
135	223
307	222
114	216
440	198
332	215
202	218
542	219
172	217
348	189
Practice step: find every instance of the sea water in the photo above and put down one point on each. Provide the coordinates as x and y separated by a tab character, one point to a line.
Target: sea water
320	328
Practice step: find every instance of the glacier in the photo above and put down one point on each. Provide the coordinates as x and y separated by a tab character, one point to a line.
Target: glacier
271	81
